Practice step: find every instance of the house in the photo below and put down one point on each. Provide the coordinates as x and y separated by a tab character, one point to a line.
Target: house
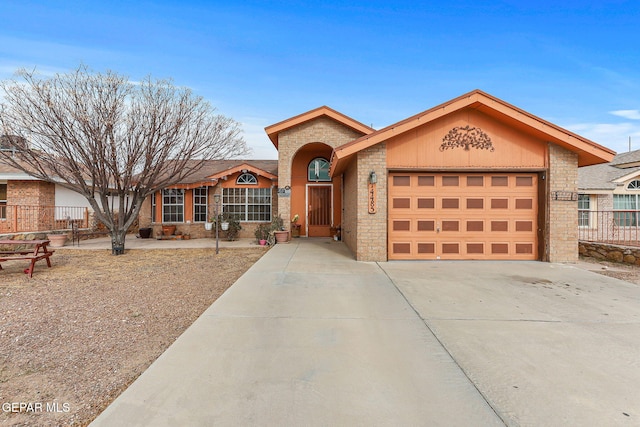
608	203
473	178
29	204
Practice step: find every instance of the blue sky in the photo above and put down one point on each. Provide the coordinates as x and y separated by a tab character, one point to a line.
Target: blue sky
574	63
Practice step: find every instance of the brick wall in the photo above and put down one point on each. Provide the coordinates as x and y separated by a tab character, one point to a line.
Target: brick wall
563	215
372	228
34	193
322	129
350	207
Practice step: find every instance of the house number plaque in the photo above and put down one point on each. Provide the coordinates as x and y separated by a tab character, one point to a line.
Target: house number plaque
372	198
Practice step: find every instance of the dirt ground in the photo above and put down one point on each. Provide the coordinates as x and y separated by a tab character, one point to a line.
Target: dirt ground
626	272
74	336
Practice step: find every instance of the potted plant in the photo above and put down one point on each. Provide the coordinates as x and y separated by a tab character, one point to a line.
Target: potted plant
57	239
295	227
168	229
262	233
277	226
233	226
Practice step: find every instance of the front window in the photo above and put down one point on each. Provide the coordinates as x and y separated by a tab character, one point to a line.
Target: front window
625	208
584	206
3	201
247	204
200	204
173	205
318	170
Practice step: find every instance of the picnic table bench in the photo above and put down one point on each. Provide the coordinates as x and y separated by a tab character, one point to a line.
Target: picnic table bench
40	251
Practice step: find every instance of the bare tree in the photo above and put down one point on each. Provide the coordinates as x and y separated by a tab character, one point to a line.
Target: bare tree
101	135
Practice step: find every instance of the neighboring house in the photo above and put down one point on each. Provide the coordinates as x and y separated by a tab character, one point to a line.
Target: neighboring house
473	178
609	203
29	204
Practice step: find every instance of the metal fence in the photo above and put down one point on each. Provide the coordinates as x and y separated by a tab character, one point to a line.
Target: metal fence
616	227
25	218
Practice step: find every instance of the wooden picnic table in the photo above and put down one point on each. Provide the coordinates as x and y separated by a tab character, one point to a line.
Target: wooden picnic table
39	251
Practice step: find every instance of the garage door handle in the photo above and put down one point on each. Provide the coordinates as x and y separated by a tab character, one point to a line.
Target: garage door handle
437	228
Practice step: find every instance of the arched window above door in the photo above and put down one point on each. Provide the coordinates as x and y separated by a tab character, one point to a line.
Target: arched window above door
318	170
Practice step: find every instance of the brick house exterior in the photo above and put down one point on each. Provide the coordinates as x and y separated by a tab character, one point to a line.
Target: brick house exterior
609	200
247	187
514	181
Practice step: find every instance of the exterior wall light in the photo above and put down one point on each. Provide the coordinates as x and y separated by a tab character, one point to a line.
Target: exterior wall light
373	178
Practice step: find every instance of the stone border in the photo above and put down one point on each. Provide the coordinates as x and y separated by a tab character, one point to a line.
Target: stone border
610	252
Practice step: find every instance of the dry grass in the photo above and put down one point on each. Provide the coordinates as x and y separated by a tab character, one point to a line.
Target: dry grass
79	333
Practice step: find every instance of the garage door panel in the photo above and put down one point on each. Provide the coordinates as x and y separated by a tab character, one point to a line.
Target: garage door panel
463	216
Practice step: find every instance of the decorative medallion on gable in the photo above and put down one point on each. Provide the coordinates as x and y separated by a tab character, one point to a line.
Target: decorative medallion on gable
466	137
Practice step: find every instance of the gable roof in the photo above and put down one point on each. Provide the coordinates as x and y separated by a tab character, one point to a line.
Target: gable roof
324	111
628	159
588	151
606	176
213	170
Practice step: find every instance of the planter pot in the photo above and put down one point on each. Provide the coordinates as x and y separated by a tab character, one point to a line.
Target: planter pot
57	240
263	242
281	236
208	226
295	230
145	233
186	237
168	230
224	226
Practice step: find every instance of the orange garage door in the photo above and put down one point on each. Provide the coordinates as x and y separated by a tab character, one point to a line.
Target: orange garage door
463	216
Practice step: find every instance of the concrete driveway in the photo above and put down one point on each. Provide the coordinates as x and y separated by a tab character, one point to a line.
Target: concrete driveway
308	336
545	344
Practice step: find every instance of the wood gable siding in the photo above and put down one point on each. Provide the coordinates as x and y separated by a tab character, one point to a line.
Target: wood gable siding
421	148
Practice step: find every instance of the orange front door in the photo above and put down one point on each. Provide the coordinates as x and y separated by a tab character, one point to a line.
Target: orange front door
463	216
319	210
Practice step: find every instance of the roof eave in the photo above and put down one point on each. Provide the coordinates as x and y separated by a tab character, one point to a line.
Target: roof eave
274	130
589	152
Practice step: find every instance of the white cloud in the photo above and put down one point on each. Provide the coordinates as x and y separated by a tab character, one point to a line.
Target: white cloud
612	135
627	114
257	139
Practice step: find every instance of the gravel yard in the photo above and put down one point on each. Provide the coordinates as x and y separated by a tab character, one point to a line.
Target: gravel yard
74	336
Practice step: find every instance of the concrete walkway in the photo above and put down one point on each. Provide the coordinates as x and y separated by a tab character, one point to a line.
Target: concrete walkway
310	337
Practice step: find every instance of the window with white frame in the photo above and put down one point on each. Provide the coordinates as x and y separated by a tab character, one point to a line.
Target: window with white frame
247	204
584	207
200	204
173	205
247	178
625	207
